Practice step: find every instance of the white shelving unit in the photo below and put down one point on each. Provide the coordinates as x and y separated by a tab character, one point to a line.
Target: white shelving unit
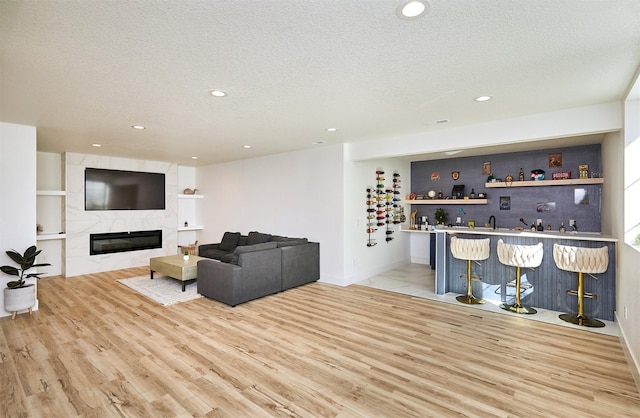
48	235
51	199
187	211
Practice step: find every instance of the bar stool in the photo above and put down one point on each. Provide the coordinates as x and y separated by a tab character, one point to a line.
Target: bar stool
581	260
469	250
519	256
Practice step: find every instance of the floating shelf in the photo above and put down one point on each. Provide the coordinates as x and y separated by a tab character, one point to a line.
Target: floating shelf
190	228
51	193
50	237
446	202
190	196
539	183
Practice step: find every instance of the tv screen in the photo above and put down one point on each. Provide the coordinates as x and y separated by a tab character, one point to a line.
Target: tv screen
123	190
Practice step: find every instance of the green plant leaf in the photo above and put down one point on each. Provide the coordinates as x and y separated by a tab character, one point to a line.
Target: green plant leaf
10	270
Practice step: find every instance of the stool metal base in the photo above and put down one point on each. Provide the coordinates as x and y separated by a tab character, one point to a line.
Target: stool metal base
519	309
469	300
581	320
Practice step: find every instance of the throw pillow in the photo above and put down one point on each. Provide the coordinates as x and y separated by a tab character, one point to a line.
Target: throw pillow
229	241
255	237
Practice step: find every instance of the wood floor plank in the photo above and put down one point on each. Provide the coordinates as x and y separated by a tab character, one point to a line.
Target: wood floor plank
96	348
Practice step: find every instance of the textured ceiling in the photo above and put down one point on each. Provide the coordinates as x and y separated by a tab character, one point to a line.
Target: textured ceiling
83	72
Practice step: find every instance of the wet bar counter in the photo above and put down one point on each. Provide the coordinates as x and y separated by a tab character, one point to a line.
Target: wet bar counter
548	283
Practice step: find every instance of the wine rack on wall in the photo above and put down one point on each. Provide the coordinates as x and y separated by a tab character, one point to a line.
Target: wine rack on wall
384	208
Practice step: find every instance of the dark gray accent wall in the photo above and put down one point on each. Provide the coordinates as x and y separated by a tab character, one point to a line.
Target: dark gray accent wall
524	200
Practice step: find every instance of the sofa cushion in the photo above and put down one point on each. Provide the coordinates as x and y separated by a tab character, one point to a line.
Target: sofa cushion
212	253
278	238
255	237
292	241
229	258
255	247
229	241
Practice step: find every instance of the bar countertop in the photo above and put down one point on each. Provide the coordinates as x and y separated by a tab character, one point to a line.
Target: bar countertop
578	236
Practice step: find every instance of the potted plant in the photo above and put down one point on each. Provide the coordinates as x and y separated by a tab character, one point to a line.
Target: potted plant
18	294
441	216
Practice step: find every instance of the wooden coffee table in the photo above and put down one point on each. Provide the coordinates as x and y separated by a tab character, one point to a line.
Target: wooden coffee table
174	266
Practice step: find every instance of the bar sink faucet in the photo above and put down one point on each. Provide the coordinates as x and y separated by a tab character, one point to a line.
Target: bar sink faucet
494	221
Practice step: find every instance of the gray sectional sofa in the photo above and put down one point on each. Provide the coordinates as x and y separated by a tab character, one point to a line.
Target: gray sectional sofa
247	267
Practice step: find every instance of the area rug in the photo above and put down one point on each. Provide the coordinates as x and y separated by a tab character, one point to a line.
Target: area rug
162	289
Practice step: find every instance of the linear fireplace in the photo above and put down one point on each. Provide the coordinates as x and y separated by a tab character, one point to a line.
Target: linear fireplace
116	242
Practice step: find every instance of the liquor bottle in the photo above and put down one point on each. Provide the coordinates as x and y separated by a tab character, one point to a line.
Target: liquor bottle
521	175
540	227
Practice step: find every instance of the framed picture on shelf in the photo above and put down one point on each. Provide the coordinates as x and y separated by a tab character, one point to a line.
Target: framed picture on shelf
555	160
486	167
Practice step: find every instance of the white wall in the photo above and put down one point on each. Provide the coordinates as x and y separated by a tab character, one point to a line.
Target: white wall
627	280
606	117
296	194
81	223
18	191
362	262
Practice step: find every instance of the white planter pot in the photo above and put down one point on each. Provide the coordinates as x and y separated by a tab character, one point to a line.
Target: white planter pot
19	299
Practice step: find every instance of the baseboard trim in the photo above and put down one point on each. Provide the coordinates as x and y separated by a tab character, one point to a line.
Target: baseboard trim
631	360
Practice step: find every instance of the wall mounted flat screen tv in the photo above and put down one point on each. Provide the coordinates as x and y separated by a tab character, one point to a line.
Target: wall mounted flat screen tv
123	190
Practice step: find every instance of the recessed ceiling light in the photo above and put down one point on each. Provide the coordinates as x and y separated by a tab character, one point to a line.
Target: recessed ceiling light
139	127
96	145
331	129
483	98
246	146
217	93
317	143
194	158
412	9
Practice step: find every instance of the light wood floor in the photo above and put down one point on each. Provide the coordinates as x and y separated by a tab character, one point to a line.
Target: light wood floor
98	349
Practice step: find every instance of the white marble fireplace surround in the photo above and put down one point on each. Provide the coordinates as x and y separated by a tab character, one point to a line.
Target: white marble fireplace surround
80	223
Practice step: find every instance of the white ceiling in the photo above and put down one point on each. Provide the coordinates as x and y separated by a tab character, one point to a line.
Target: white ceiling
83	71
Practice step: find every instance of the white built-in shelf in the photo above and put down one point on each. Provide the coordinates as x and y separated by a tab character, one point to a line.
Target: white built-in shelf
51	193
446	202
50	237
190	228
538	183
190	196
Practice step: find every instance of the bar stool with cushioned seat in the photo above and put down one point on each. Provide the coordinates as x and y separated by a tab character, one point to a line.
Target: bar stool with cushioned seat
469	250
581	260
519	256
